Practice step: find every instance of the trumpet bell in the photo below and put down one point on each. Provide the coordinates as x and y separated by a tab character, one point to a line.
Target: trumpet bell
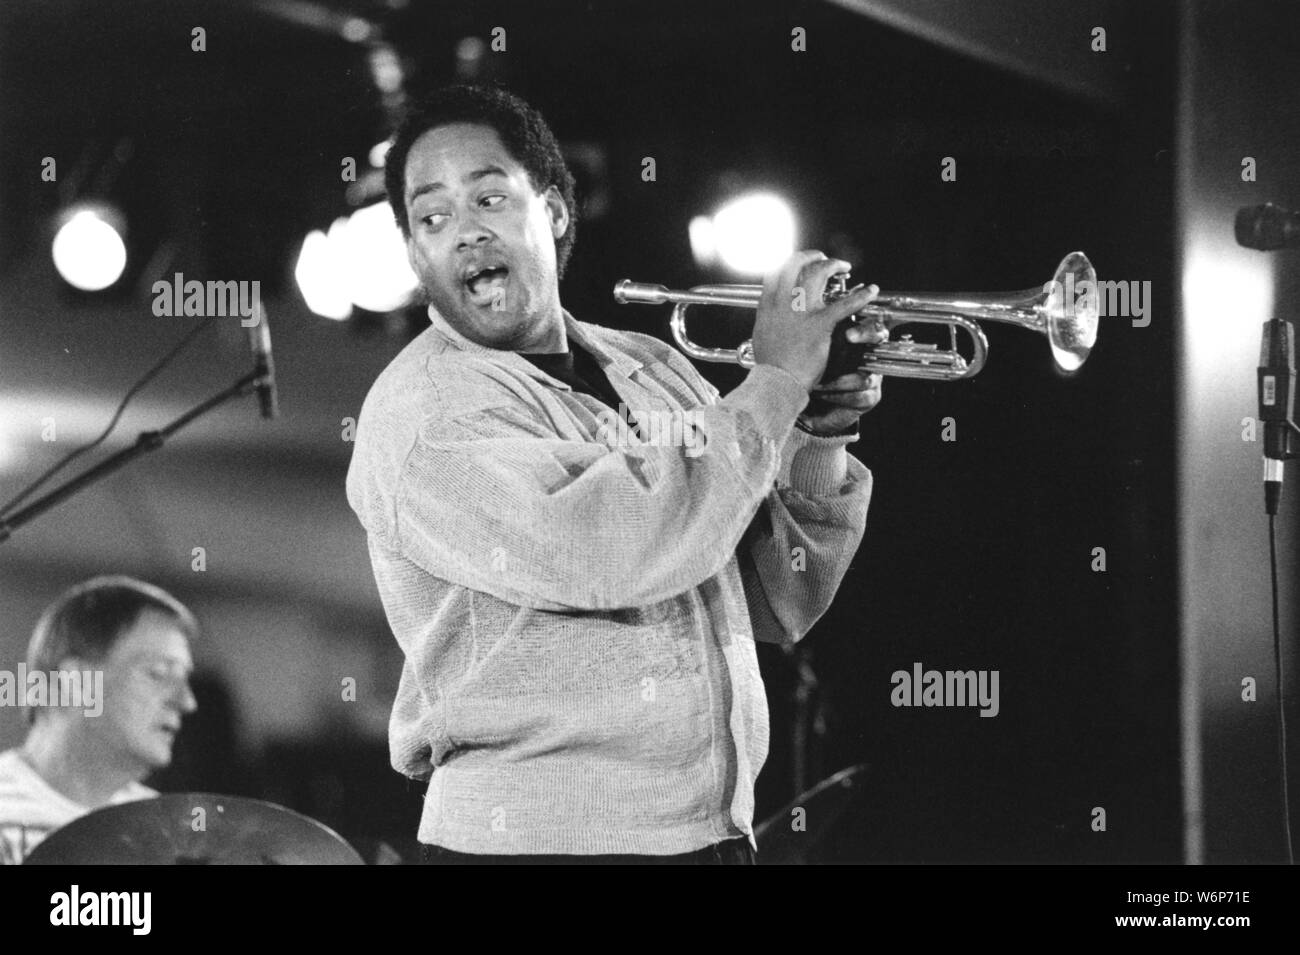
1071	310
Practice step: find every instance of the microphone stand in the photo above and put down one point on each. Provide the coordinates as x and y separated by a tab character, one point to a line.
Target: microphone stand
147	441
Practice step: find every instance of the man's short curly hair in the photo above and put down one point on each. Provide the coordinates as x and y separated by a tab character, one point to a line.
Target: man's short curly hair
523	132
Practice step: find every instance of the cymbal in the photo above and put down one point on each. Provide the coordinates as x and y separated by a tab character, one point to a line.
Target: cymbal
194	829
780	843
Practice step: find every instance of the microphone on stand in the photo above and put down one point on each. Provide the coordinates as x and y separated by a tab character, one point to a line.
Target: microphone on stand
259	339
1268	227
1276	383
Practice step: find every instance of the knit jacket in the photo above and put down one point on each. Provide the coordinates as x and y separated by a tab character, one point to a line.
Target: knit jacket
578	606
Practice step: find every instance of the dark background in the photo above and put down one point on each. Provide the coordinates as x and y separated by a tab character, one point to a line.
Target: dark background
978	552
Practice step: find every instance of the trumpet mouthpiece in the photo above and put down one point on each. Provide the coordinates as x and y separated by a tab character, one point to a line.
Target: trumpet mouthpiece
641	293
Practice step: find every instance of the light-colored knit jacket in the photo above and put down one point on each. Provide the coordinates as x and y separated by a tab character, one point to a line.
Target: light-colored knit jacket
577	609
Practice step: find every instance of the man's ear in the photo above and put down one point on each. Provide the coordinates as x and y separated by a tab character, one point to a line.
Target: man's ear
557	210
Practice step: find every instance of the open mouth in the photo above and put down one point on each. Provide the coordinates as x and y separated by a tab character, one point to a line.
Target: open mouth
487	285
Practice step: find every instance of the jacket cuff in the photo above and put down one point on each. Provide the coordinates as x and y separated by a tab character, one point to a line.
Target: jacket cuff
815	465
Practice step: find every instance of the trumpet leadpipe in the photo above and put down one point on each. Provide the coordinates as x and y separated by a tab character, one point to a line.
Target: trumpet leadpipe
628	292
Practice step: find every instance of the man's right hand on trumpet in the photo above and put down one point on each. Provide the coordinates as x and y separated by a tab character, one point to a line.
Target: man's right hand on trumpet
793	331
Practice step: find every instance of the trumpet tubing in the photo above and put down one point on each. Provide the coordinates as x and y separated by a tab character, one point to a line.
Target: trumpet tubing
1053	310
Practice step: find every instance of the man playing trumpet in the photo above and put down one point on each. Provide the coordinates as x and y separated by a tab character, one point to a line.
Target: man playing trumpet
578	614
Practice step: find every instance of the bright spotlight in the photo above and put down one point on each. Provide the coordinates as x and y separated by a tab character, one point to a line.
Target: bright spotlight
319	274
361	261
378	276
704	243
754	233
88	250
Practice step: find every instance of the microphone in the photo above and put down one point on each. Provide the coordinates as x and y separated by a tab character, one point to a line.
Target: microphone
1268	227
1276	381
259	339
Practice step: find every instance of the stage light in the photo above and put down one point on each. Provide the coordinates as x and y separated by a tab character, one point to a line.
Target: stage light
378	276
704	243
356	30
385	68
470	54
754	233
88	249
319	274
379	152
361	261
470	48
751	234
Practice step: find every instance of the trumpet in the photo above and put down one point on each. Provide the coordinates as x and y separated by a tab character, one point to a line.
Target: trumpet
1064	309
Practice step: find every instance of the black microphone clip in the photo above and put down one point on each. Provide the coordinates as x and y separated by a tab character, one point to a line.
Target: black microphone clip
259	340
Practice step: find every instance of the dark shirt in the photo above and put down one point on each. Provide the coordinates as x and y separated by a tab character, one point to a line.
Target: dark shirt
578	369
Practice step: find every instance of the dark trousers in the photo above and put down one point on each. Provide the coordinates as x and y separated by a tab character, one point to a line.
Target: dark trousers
731	852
